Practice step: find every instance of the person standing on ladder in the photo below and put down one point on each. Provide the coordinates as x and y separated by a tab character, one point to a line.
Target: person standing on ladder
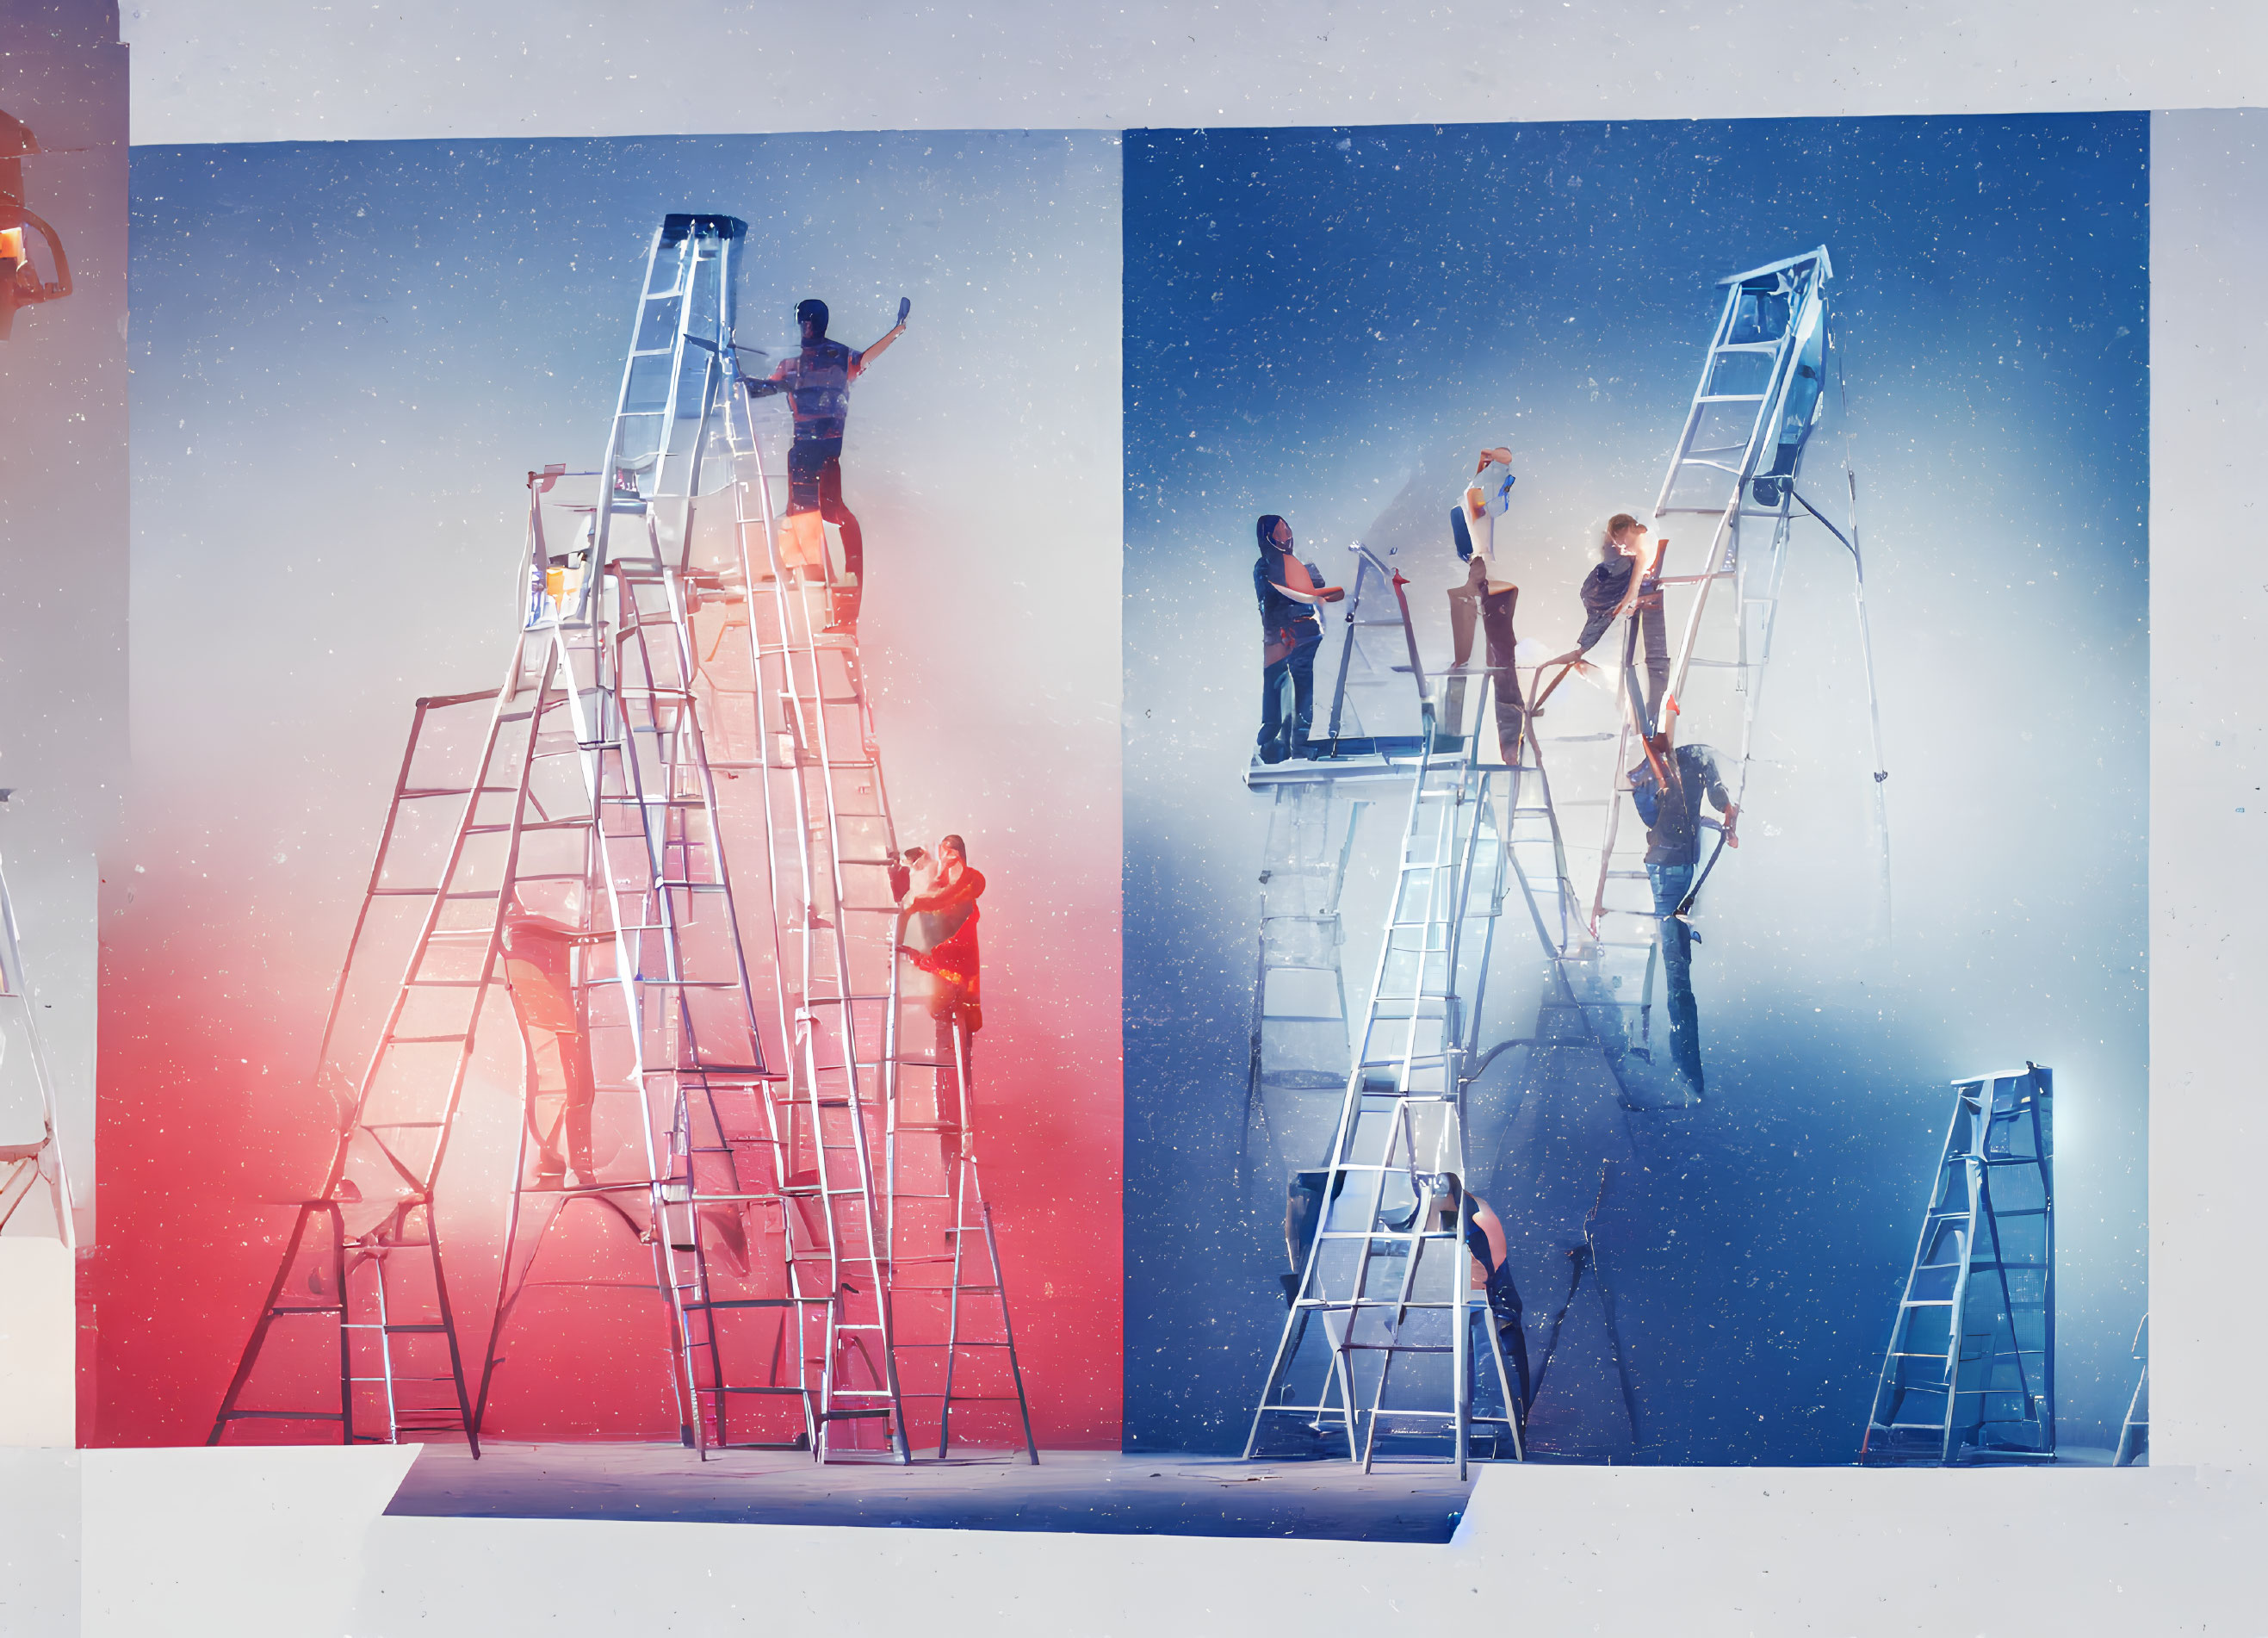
1290	593
817	381
947	950
1484	599
1671	808
1623	582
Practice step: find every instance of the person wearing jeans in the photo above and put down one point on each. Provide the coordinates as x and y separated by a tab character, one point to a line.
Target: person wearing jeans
1670	804
1290	593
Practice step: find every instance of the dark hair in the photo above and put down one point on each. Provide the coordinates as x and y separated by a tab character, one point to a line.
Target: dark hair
1266	530
955	844
1620	521
812	308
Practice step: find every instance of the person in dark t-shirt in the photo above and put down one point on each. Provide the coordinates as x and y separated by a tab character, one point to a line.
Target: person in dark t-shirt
1291	631
1624	582
1670	803
817	381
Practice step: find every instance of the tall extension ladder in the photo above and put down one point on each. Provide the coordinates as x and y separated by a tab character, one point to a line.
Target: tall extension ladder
28	1091
1379	1345
1736	462
1969	1374
893	1157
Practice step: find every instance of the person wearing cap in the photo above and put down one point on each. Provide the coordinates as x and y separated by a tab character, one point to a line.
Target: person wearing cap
1290	593
1669	800
944	915
817	381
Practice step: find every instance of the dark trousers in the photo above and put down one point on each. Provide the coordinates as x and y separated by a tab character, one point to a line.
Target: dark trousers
815	484
1671	883
1511	1326
1656	630
1469	607
1278	738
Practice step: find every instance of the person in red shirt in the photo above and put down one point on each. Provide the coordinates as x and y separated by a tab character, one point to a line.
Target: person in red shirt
945	948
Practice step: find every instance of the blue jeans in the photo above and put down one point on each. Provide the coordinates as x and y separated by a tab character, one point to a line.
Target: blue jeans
1671	883
1279	739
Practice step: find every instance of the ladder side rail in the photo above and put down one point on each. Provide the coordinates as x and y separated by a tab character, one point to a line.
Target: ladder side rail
658	919
59	1182
1957	1332
661	828
447	876
748	459
719	867
719	864
1694	410
791	948
1810	310
1363	570
1350	1115
594	571
1631	713
458	1072
853	1071
1413	1252
504	1297
1886	1384
2042	1142
1446	803
712	368
790	603
1991	1217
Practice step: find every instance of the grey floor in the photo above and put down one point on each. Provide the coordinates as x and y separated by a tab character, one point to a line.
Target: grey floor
1089	1491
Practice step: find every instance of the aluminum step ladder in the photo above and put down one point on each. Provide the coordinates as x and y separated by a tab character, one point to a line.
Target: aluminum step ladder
1737	464
1379	1347
1969	1377
362	1282
922	1325
31	1151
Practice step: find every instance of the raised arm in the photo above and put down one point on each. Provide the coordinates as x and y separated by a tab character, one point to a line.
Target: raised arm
905	305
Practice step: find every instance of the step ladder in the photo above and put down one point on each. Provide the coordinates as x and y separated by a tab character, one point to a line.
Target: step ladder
31	1151
1380	1348
1969	1377
1737	464
764	1210
362	1284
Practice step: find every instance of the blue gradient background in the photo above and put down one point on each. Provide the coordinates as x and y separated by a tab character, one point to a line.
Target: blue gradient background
1327	323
